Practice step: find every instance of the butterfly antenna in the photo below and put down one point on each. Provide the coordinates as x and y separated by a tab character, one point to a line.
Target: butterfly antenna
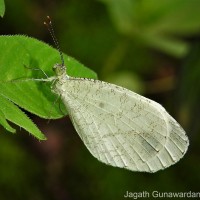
49	26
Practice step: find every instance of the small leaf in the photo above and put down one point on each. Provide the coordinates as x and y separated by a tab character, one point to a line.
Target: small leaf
2	8
4	123
15	115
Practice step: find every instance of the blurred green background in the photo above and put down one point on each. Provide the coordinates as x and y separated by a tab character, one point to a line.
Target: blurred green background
149	46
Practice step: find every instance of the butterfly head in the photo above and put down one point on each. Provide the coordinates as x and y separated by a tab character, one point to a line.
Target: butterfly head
60	70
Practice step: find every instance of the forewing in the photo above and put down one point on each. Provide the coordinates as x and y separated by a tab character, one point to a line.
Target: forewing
122	128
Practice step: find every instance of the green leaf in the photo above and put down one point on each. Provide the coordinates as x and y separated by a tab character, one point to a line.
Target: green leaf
180	17
158	24
2	8
171	46
15	115
4	123
35	97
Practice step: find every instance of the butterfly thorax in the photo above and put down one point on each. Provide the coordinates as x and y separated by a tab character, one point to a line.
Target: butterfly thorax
61	77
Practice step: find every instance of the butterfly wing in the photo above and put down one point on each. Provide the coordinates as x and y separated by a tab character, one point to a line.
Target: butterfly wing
122	128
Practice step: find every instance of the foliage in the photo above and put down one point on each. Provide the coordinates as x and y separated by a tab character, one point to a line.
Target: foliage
157	24
20	52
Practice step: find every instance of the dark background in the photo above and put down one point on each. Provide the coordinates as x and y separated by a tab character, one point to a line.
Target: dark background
151	47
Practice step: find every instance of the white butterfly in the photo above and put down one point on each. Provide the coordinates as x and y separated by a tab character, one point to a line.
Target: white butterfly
119	127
